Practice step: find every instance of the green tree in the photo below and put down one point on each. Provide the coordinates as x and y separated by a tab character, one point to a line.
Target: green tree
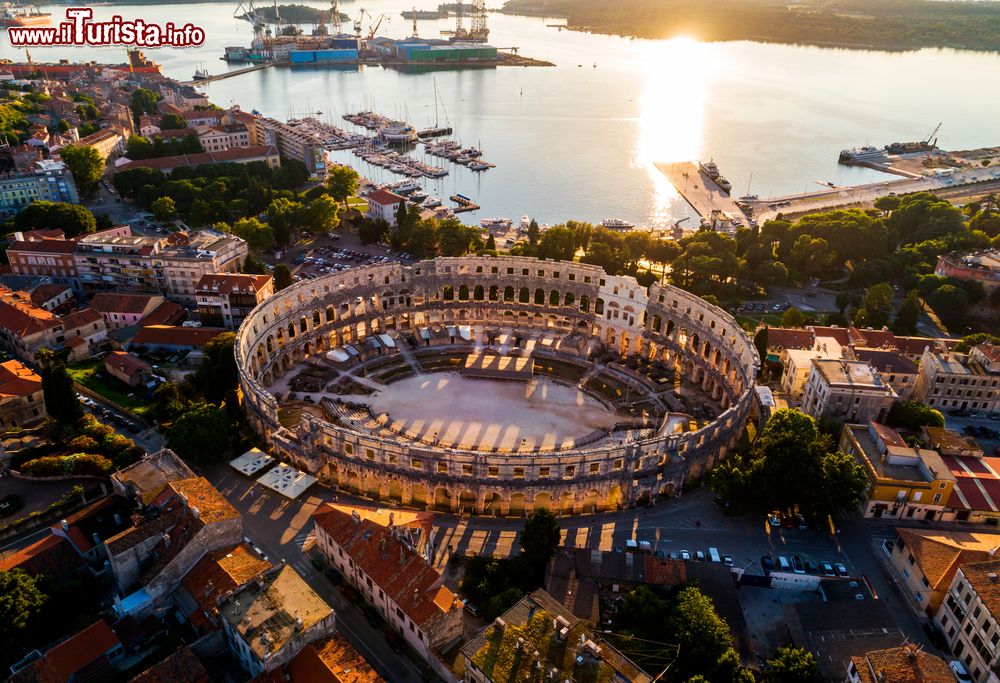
533	232
252	266
342	182
793	317
61	402
703	636
842	483
169	402
913	415
282	277
73	219
137	148
164	209
321	214
21	600
173	122
491	243
540	536
876	306
283	217
217	375
792	665
971	340
453	238
143	102
908	315
558	243
258	236
202	433
87	166
760	343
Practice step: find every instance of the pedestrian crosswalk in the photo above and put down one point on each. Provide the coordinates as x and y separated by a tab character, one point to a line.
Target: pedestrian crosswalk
305	539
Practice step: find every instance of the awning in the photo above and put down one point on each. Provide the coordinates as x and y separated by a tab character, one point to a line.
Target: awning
425	333
466	332
451	331
337	355
374	343
387	340
351	350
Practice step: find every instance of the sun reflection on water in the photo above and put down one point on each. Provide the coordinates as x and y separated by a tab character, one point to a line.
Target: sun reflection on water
671	112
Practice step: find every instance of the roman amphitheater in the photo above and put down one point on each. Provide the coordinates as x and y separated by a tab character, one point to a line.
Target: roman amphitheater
496	385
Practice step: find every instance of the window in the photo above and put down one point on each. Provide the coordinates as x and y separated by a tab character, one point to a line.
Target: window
442	468
570	470
416	463
369	453
519	473
467	470
543	472
595	468
493	471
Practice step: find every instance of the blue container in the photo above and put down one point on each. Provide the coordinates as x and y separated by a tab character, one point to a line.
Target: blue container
302	56
336	55
345	43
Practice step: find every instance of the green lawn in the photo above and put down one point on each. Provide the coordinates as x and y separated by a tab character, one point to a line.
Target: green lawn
357	203
89	374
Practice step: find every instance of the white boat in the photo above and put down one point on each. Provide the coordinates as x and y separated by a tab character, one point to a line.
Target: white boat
709	168
497	224
479	165
860	154
404	186
201	74
418	196
525	223
617	224
431	202
724	184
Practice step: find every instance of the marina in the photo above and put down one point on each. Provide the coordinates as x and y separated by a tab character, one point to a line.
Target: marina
702	193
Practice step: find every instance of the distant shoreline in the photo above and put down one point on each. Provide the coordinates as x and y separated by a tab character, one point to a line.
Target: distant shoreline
972	27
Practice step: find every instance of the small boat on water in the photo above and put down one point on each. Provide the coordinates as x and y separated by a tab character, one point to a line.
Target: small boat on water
525	223
201	74
15	15
617	224
431	202
418	196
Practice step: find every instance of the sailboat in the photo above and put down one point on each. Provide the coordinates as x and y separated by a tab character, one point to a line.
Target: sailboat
749	197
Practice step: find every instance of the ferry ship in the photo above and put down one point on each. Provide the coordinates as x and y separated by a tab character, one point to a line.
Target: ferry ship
14	15
201	75
710	169
724	184
617	224
861	154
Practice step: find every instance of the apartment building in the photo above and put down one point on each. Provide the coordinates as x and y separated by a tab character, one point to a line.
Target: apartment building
49	257
49	180
225	299
949	380
123	309
292	142
382	564
969	618
172	265
25	328
21	399
904	664
896	370
903	482
980	266
217	138
846	390
106	141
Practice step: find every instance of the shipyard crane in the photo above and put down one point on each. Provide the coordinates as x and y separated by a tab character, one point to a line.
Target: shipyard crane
374	29
357	22
415	23
259	26
932	138
477	32
335	27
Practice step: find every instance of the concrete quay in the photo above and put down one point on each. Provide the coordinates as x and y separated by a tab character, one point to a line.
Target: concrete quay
698	189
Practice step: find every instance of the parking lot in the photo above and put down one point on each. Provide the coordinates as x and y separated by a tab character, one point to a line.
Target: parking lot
983	427
333	258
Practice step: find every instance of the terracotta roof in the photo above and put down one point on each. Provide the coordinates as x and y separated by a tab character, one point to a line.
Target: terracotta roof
45	245
991	351
216	574
384	197
940	553
180	667
126	363
236	154
889	436
789	338
167	313
886	361
904	664
227	283
100	136
16	380
331	660
115	302
43	233
22	317
915	346
212	505
52	556
97	518
876	339
80	650
45	293
202	114
408	580
982	576
167	335
81	317
841	334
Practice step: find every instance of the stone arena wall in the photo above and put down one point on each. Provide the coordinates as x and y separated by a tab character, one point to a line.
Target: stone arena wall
665	323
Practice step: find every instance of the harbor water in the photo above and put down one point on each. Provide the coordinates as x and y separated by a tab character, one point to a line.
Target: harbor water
579	140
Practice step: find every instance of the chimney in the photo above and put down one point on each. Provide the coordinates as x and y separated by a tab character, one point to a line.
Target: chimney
992	576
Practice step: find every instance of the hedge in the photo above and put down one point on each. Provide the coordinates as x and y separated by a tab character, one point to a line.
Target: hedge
77	463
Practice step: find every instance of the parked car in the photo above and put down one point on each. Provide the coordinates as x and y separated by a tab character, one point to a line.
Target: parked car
699	555
767	564
797	566
728	560
841	569
685	555
827	569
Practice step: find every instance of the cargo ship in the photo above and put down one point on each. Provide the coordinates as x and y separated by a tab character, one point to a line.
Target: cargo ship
14	15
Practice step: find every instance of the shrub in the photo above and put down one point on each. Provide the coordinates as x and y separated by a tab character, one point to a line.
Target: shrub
115	443
82	444
77	463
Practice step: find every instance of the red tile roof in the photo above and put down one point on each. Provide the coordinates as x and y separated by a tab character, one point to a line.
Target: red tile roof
331	660
47	246
841	334
22	317
87	646
180	667
216	574
236	154
115	302
45	293
81	317
166	335
227	283
18	380
384	198
991	351
167	313
43	233
126	363
52	556
408	580
789	338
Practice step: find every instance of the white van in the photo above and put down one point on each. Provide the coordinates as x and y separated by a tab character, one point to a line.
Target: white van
713	554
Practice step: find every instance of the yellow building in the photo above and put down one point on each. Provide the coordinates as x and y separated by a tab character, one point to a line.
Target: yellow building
903	481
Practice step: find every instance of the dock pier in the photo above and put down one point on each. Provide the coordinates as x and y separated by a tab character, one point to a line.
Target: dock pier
698	189
230	74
